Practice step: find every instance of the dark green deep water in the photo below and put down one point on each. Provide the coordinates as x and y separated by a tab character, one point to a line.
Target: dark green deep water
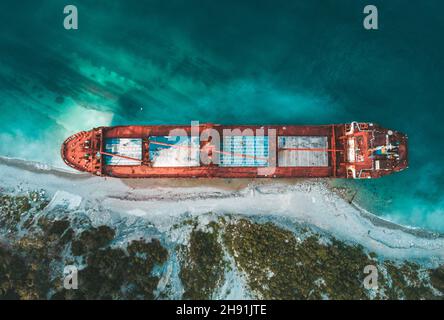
240	62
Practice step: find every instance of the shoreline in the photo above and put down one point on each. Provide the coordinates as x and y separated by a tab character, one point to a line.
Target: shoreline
223	184
378	221
164	201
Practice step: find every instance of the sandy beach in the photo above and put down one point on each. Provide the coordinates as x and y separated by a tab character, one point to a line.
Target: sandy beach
164	201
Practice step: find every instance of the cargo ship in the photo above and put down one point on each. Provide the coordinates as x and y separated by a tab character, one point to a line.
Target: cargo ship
356	150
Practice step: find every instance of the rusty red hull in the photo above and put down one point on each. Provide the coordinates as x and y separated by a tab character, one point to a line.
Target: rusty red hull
355	150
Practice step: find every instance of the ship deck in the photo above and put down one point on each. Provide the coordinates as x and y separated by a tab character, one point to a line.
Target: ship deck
244	151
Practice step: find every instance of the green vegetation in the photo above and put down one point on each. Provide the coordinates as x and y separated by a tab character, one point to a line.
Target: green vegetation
203	265
91	240
115	273
280	267
31	266
407	282
14	277
12	208
25	269
276	263
437	278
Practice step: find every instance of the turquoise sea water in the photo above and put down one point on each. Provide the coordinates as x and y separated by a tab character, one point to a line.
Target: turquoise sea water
231	62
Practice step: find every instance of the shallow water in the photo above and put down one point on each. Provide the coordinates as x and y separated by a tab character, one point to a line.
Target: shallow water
241	62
